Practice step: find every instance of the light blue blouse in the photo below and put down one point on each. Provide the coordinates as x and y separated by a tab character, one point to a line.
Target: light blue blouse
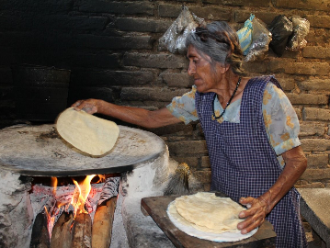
281	121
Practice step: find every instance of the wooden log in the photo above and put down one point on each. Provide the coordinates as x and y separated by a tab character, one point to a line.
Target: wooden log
61	235
102	224
82	231
40	235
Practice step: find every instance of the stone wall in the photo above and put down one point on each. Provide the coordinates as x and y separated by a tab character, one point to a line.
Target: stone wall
111	48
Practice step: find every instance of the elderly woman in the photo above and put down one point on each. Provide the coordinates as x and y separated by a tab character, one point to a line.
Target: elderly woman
250	128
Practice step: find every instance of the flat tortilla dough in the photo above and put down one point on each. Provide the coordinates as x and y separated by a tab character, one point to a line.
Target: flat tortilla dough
89	134
207	212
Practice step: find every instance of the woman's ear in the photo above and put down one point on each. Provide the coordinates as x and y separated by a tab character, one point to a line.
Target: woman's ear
222	69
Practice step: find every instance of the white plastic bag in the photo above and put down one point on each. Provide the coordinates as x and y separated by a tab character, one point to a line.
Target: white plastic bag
261	38
175	36
300	30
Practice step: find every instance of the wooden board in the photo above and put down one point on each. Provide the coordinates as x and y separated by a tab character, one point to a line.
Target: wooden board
156	207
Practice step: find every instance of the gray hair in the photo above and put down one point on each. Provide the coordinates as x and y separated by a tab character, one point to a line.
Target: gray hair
220	42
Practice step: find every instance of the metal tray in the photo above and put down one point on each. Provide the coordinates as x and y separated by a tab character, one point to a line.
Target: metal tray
39	151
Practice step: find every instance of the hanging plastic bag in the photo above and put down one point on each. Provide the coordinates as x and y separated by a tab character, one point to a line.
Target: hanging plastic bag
281	29
300	30
261	38
175	36
245	35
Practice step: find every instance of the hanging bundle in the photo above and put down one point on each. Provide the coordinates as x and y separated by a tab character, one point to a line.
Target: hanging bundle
174	38
245	35
261	38
300	30
281	29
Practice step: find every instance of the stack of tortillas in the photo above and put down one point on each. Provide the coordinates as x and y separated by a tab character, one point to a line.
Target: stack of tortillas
91	135
207	214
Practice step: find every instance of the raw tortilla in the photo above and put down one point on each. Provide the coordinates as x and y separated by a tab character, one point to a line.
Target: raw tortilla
88	133
207	212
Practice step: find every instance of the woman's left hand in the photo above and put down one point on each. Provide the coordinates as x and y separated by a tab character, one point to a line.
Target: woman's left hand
255	214
258	208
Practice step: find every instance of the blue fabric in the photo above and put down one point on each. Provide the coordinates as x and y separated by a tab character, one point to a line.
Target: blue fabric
245	35
244	163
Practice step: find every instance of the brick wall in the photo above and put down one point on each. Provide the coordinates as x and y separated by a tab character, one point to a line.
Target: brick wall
111	48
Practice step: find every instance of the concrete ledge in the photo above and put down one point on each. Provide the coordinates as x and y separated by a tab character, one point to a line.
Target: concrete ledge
314	206
148	179
142	231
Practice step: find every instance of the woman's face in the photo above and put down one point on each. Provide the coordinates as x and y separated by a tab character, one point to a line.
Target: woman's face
200	68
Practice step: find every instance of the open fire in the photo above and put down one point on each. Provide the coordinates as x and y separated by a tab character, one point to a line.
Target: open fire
70	211
36	153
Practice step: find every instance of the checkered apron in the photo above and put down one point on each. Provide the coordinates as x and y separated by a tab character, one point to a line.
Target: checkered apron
244	162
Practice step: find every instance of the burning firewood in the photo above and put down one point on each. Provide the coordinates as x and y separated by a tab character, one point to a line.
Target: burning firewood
102	225
61	235
75	229
40	235
82	231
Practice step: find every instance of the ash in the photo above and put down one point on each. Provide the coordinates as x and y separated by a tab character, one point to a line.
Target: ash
16	213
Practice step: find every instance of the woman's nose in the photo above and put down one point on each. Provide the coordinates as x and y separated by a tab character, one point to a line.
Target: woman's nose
191	69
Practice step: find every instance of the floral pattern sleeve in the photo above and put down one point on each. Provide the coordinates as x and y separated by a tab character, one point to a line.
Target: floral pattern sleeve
183	107
281	120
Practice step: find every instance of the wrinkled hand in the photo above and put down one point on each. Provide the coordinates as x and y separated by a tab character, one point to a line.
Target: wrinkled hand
255	215
90	106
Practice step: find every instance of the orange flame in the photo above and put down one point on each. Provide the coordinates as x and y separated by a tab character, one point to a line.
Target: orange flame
101	178
80	194
78	199
54	184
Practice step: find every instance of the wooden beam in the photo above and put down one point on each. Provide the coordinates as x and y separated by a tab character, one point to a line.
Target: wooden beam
82	231
61	235
40	235
102	224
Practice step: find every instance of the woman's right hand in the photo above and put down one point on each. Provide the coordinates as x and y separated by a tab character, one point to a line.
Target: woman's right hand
90	106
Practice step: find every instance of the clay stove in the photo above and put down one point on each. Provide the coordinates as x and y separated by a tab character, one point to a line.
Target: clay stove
28	152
